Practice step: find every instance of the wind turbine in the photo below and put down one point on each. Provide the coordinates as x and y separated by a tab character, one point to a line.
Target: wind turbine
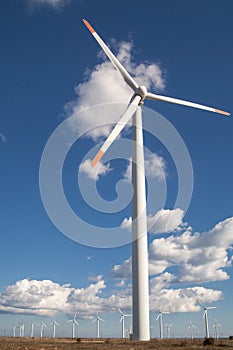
14	328
32	328
191	326
122	321
160	318
168	329
97	320
21	329
141	327
205	317
42	325
216	325
74	322
54	324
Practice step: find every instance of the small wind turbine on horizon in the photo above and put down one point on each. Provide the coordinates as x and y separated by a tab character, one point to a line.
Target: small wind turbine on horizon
216	325
140	278
122	321
42	326
98	319
191	326
160	318
21	329
169	326
32	328
205	317
74	323
54	324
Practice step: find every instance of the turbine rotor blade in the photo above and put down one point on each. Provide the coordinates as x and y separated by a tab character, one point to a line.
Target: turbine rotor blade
128	79
151	96
131	109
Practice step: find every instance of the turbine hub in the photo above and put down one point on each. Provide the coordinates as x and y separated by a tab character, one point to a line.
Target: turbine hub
141	91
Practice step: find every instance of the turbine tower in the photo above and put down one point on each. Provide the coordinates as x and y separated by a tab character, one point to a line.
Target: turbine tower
97	320
160	318
216	325
205	317
141	326
191	326
74	323
54	324
122	321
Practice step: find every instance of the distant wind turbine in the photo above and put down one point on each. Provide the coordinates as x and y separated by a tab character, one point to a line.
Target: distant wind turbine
140	292
169	326
122	321
97	320
216	325
205	317
14	328
74	323
21	329
32	329
54	324
42	326
191	326
160	318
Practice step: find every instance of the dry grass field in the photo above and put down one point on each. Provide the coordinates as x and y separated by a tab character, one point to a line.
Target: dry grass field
9	343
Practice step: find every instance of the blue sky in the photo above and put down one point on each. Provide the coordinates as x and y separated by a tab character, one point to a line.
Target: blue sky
51	68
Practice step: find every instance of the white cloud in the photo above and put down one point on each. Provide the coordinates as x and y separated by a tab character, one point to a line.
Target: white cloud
155	167
34	297
55	4
164	221
94	172
104	85
2	138
198	257
181	299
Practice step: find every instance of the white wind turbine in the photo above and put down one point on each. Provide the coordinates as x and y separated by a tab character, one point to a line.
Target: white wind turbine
191	326
54	324
122	321
42	326
216	325
74	323
21	329
97	320
205	317
32	328
160	318
141	327
169	326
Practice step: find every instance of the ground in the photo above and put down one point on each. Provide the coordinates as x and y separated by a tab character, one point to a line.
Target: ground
10	343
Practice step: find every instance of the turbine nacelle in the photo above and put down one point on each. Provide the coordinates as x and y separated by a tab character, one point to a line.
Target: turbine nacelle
142	92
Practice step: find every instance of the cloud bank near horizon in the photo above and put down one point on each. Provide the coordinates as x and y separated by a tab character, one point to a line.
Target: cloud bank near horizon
198	258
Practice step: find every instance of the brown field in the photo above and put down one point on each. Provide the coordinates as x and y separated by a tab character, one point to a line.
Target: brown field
10	343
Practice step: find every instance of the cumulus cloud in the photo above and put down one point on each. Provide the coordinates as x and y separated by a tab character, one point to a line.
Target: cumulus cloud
155	167
34	297
94	172
164	221
2	137
104	85
180	299
198	257
54	4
